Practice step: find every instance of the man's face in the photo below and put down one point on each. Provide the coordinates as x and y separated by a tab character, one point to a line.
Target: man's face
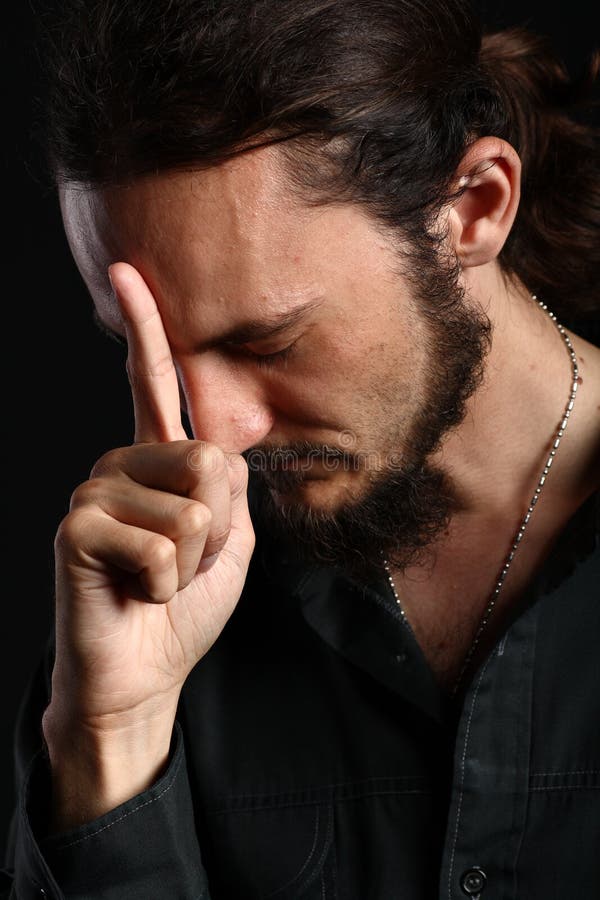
291	326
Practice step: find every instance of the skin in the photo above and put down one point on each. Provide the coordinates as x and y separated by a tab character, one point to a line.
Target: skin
152	557
270	256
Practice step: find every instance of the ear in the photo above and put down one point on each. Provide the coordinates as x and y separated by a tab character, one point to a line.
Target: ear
488	181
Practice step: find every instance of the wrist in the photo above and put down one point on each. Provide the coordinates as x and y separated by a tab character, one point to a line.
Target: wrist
95	768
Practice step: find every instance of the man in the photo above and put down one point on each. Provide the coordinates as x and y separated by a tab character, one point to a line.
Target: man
328	628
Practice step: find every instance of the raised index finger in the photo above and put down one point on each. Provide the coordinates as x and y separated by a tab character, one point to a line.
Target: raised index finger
150	367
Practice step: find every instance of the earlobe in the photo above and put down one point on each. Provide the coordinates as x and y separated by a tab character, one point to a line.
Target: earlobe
488	186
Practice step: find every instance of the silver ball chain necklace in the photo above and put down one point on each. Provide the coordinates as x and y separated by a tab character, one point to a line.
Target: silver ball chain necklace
525	522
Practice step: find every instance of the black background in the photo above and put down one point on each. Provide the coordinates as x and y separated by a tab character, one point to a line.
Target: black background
65	399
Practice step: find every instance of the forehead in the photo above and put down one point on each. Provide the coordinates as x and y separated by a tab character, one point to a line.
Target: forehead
191	234
227	241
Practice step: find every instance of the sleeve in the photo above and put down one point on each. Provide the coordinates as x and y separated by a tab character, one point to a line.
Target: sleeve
145	849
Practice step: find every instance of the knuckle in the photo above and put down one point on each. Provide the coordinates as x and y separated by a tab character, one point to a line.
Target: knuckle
160	552
89	493
193	518
108	463
63	537
71	531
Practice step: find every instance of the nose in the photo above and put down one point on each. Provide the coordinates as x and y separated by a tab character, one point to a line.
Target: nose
226	404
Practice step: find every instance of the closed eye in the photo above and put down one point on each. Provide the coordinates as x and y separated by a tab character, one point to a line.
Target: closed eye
265	360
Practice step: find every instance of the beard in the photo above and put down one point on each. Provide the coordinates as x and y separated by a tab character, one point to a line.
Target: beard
408	501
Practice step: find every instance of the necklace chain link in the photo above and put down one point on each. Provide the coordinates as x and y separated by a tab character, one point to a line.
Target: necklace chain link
530	509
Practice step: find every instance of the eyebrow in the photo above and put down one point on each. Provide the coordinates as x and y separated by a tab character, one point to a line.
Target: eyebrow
245	333
258	329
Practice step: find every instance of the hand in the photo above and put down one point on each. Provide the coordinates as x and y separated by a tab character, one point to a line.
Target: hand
150	563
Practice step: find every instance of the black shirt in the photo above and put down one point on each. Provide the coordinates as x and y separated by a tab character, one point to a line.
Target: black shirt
315	757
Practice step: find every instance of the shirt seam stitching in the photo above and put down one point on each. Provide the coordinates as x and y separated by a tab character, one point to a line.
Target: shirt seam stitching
566	787
127	814
574	772
232	810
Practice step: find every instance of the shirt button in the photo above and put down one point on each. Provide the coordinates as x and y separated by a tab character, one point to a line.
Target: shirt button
473	881
401	657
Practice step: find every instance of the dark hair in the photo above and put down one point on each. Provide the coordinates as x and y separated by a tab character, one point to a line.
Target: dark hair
375	102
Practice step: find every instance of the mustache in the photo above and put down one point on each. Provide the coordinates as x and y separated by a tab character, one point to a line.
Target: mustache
285	466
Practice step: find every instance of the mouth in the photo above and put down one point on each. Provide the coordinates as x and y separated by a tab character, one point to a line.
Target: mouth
298	481
292	469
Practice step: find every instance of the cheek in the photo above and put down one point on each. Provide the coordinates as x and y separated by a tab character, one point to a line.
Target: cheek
300	399
322	389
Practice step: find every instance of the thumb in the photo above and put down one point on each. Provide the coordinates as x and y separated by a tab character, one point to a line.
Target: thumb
241	537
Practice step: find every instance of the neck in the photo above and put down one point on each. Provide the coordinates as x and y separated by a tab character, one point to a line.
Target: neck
495	459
